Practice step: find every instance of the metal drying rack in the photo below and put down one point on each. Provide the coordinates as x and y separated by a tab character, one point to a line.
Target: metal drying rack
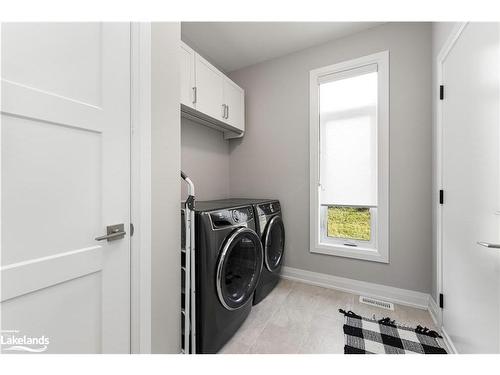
188	305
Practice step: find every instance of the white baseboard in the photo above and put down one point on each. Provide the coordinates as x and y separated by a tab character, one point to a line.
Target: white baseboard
435	312
437	316
447	341
395	295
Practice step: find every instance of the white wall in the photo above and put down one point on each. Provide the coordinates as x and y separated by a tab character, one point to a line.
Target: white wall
440	33
205	159
272	159
165	188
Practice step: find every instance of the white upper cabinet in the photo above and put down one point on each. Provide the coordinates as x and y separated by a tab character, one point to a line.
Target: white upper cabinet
234	100
187	76
209	89
210	97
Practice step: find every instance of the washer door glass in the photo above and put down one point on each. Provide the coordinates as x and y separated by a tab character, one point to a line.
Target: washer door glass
274	243
239	268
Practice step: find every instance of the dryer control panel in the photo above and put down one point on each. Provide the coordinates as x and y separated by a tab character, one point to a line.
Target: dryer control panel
231	217
268	208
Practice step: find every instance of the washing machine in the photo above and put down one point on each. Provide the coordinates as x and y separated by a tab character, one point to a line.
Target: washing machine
271	230
229	261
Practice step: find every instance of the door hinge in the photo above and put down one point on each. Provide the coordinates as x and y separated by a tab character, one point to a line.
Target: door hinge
441	92
132	229
441	196
441	298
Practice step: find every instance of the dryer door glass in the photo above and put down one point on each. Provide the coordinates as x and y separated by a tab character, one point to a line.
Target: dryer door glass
274	243
239	268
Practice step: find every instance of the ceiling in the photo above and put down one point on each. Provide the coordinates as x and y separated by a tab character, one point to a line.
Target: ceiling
234	45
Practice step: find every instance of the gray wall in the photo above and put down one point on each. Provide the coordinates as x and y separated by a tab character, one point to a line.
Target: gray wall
165	188
272	159
440	32
205	159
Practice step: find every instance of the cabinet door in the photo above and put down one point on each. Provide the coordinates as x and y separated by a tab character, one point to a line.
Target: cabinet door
209	89
234	98
187	76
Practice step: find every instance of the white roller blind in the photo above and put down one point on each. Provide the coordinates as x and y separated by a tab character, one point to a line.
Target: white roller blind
348	137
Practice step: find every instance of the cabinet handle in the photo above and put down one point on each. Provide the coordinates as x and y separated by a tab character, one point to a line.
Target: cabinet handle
195	96
227	111
223	111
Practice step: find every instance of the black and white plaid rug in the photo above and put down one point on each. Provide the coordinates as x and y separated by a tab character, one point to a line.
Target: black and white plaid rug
371	336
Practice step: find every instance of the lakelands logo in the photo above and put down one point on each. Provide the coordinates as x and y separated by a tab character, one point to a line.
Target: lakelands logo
14	341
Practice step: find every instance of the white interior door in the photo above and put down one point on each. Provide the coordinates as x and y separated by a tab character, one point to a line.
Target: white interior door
470	175
65	177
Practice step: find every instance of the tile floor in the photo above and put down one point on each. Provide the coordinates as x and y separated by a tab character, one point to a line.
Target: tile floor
301	318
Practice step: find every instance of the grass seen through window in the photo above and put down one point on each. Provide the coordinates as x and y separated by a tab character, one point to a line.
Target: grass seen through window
349	222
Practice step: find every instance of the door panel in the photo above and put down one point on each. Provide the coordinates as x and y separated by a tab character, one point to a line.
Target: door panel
57	309
209	89
187	76
71	64
38	183
65	177
470	114
234	99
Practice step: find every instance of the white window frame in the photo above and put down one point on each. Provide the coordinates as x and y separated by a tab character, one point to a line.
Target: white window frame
378	251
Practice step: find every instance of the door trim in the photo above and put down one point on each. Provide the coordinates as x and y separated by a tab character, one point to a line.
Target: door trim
1	184
443	54
140	164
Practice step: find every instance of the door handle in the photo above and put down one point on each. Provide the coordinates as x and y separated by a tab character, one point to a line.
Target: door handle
223	111
114	232
489	245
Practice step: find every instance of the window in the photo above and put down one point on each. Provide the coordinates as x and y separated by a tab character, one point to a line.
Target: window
349	135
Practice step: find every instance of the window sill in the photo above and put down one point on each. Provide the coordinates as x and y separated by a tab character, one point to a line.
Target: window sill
361	253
